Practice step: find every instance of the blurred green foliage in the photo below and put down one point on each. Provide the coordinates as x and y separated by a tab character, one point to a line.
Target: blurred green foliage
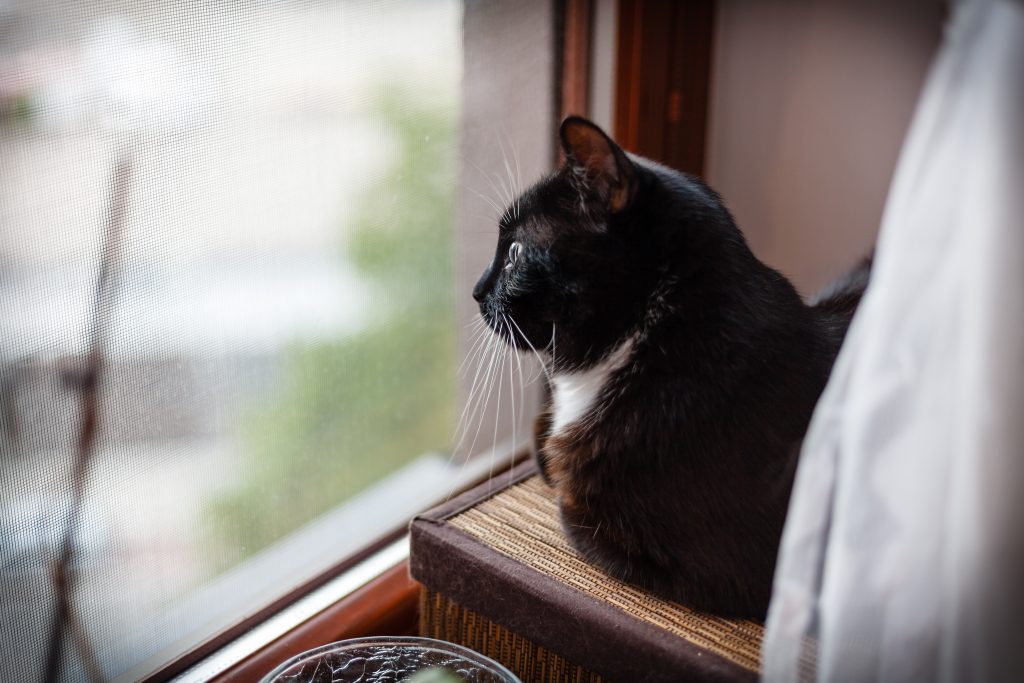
18	108
351	411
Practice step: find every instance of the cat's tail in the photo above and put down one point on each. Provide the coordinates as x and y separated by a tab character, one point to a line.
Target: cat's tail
842	297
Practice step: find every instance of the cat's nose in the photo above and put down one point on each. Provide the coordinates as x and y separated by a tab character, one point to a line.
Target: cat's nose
479	292
483	285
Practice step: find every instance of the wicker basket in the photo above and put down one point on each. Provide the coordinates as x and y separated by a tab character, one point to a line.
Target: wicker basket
500	577
446	620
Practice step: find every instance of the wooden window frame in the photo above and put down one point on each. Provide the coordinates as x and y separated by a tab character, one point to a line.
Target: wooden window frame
386	604
574	65
663	75
195	656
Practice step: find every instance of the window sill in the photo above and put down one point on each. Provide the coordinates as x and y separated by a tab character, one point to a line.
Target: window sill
374	597
370	594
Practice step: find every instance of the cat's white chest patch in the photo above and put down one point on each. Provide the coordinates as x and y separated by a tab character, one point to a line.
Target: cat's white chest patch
575	393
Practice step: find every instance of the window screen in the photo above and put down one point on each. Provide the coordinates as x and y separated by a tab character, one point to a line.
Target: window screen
237	219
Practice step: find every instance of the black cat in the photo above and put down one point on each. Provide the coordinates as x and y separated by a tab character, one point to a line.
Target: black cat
683	370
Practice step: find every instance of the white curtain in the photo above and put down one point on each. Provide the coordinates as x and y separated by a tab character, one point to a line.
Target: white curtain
900	557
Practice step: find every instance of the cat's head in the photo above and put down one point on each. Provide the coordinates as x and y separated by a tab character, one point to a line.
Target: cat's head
581	252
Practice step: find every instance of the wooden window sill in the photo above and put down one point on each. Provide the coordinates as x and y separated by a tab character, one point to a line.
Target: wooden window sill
387	605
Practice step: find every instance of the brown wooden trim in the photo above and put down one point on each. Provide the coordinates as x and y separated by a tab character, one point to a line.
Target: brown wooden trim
576	39
194	655
388	605
627	64
662	79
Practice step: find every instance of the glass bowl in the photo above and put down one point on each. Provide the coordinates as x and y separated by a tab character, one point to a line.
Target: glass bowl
390	660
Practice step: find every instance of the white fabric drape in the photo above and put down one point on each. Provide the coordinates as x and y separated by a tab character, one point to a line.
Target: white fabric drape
898	552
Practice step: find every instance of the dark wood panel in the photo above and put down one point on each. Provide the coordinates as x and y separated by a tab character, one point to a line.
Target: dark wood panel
686	109
577	19
662	79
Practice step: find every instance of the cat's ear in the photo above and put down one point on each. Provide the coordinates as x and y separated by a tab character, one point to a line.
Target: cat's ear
607	167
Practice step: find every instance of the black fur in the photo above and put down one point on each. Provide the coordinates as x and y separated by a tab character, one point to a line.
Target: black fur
678	478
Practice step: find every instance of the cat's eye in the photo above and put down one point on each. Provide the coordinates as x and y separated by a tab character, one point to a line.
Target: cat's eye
514	250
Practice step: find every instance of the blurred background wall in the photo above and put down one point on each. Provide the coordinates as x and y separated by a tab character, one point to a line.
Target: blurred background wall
809	104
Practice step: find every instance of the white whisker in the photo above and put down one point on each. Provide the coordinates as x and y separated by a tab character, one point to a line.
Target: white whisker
475	391
486	395
543	365
476	344
490	202
497	412
554	348
478	390
519	175
512	383
513	204
499	197
522	388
